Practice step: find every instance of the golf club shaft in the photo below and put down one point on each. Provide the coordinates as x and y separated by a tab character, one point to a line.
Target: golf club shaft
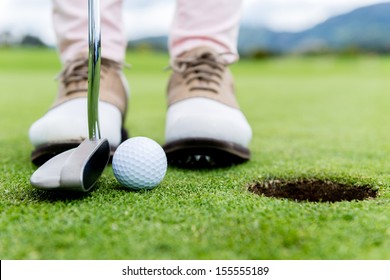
94	62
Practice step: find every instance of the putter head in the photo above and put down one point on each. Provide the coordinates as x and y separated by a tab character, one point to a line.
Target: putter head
75	170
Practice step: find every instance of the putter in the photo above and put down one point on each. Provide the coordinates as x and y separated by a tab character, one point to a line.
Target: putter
78	169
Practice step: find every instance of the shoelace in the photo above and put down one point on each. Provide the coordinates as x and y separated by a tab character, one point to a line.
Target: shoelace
207	69
77	71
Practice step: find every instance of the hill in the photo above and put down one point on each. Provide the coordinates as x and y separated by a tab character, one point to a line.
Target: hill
366	28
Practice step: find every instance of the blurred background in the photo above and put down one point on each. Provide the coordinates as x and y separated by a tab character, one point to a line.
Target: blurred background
268	27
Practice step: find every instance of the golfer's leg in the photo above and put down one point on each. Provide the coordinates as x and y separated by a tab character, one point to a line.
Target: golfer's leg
70	19
65	124
209	23
203	116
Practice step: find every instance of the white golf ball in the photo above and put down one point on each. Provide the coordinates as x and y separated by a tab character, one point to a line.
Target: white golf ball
139	163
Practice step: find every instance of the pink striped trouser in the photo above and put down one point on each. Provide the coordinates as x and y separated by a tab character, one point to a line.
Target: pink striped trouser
212	23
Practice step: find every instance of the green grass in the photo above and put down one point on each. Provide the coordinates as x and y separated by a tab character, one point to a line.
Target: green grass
325	118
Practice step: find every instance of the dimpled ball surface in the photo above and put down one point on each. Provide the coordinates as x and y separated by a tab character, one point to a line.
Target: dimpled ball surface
139	163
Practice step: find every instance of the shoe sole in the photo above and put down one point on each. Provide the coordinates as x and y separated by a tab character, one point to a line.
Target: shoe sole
43	153
205	153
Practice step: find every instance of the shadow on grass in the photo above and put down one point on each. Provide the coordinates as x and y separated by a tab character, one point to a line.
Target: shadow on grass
55	196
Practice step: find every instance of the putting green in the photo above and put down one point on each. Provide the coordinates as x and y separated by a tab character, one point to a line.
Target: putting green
325	118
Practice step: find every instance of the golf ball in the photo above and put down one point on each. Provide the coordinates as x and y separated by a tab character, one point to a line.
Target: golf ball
139	163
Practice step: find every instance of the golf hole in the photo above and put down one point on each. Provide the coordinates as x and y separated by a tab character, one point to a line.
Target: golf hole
313	190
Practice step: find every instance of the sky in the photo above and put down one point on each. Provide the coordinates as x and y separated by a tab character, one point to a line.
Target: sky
34	16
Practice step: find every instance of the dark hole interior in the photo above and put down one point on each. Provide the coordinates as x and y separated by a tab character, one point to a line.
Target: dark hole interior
313	190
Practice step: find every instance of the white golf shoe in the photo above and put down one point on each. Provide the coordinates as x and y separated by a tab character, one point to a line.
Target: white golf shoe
65	125
204	125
